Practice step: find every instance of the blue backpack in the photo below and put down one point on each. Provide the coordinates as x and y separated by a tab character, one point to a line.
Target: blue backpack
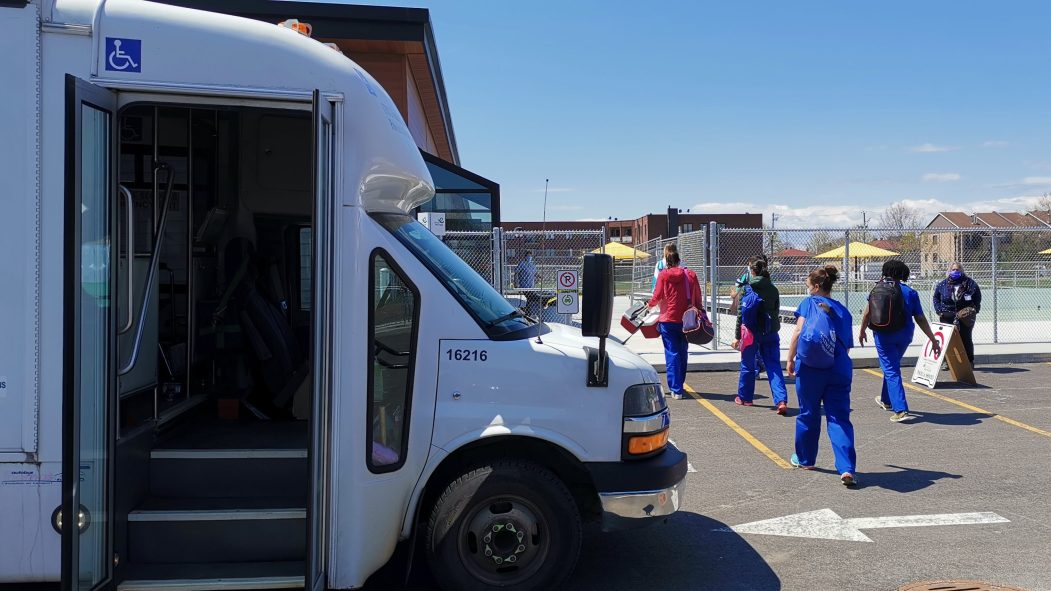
818	339
753	312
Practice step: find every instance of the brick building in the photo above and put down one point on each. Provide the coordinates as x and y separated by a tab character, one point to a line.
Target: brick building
938	249
649	226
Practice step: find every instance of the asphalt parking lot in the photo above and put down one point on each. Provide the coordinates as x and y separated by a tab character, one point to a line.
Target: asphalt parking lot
976	462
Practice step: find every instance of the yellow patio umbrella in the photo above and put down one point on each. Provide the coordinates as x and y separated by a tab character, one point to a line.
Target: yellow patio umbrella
1048	251
620	252
858	250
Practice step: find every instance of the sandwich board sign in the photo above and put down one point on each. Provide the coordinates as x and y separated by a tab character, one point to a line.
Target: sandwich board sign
929	365
568	299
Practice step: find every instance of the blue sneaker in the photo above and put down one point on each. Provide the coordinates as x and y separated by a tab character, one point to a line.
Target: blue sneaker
795	462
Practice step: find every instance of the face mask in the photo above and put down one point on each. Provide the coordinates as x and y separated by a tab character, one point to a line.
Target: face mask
955	274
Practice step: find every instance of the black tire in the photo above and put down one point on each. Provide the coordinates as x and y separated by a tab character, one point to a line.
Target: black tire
508	524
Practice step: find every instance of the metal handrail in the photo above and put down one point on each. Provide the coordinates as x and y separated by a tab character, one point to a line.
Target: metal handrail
147	290
131	257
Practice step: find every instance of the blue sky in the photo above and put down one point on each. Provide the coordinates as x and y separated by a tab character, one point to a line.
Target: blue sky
816	110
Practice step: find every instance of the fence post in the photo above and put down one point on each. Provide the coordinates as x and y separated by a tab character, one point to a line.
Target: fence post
993	265
498	259
713	257
846	269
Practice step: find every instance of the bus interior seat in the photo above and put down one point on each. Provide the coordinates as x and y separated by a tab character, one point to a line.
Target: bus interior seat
278	359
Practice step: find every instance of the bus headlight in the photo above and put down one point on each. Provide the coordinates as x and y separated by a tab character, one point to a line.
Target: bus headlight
646	422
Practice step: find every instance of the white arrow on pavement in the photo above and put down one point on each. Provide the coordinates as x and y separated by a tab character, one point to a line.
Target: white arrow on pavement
826	524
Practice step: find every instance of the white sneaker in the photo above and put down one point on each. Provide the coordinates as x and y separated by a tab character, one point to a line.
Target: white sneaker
677	396
881	405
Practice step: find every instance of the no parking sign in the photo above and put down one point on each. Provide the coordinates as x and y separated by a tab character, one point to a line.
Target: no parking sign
567	299
929	365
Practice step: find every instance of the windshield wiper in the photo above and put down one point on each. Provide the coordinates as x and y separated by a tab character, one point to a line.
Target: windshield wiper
512	314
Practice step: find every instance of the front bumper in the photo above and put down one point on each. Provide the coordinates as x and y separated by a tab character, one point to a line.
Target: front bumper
634	494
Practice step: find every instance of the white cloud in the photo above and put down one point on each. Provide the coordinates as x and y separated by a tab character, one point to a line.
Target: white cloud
995	144
941	177
929	148
845	216
1037	180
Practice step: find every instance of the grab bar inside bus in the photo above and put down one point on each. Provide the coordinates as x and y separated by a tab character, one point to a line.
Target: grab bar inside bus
155	256
130	248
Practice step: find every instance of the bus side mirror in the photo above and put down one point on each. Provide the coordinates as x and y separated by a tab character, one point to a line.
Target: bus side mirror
596	314
597	305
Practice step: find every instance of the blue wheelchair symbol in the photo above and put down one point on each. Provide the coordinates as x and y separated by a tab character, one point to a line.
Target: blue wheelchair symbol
123	55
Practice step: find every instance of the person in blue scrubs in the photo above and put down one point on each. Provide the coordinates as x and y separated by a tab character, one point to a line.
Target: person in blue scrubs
828	386
891	346
766	345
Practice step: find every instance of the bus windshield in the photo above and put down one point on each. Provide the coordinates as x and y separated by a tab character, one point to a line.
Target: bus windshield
493	313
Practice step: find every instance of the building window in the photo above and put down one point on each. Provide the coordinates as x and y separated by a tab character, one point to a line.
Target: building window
469	202
393	318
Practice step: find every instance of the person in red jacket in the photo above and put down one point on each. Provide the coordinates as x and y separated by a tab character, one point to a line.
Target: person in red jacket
671	295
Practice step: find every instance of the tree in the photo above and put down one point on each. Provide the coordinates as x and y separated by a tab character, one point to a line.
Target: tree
1044	204
823	241
773	243
899	216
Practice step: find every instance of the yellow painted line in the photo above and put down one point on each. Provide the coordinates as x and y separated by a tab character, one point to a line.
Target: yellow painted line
763	449
969	407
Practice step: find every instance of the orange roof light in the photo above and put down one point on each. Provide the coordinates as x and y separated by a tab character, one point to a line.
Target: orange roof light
295	25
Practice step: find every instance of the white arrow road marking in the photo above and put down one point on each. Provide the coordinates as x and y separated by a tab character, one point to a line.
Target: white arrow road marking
827	525
689	467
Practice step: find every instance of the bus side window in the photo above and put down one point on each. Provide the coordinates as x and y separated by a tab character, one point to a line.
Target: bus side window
393	321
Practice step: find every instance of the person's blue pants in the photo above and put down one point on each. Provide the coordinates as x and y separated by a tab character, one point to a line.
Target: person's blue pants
674	354
768	348
893	393
815	387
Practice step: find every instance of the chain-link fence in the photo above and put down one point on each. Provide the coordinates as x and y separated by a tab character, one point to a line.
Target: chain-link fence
1013	275
693	253
1016	306
523	265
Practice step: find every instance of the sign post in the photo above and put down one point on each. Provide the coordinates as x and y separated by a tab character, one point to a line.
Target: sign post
929	365
568	297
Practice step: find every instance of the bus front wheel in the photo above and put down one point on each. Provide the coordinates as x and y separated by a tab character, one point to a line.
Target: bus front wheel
508	524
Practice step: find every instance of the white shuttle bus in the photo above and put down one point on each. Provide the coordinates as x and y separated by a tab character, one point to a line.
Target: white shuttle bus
232	359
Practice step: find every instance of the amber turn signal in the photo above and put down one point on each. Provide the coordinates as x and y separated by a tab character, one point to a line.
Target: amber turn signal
644	444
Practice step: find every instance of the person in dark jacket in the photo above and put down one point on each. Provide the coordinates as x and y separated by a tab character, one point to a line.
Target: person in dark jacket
955	294
768	344
737	293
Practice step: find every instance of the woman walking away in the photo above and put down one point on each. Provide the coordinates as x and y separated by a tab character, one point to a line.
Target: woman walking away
893	312
817	356
758	320
677	290
958	300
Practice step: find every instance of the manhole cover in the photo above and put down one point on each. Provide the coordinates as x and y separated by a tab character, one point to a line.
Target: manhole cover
956	586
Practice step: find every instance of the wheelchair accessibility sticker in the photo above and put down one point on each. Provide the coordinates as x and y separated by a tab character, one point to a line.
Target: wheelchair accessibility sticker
123	55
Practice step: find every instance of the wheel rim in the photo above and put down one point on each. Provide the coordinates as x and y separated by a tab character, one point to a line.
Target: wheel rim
504	540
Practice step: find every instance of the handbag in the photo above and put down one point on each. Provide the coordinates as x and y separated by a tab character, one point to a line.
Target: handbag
967	317
695	323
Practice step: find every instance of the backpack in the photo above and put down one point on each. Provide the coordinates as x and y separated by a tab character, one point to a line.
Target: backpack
818	339
886	306
753	312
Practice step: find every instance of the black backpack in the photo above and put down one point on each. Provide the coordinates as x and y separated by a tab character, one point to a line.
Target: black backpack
886	306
